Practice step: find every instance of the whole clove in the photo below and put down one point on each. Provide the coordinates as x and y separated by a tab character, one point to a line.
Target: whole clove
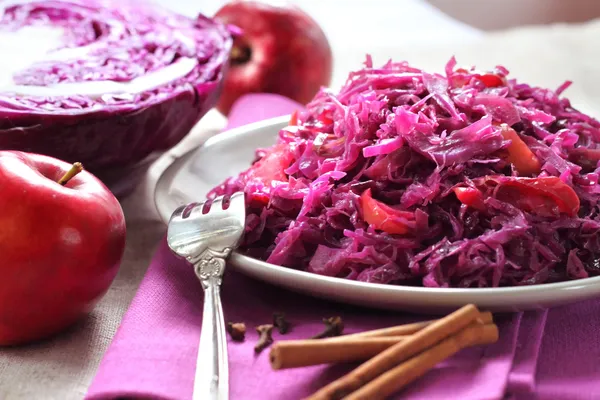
237	331
265	339
334	326
279	321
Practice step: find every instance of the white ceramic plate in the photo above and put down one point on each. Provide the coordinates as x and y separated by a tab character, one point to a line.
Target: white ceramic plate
191	176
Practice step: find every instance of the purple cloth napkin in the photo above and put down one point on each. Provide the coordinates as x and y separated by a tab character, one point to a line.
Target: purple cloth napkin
522	375
260	106
569	360
153	354
154	351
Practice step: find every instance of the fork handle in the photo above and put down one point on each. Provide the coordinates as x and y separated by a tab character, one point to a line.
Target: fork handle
212	375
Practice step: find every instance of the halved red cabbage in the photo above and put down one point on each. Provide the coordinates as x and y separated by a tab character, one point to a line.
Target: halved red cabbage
104	82
449	205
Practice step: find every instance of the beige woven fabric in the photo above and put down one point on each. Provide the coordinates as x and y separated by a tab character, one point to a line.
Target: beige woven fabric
63	368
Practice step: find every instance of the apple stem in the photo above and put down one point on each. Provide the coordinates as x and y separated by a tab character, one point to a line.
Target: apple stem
236	53
75	169
240	55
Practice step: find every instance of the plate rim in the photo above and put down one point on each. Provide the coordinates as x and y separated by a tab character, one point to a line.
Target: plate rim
239	258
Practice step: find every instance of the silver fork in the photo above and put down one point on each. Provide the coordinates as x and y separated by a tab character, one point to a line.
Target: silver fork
206	240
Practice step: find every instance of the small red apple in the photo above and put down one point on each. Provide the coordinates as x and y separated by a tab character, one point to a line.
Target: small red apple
62	237
281	50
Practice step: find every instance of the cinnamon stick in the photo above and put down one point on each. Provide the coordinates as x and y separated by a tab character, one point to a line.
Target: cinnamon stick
347	348
398	377
303	353
407	329
391	357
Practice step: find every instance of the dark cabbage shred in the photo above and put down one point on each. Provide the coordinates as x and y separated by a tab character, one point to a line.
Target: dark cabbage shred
412	137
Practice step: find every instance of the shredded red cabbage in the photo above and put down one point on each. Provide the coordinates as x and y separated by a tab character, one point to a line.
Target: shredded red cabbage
404	177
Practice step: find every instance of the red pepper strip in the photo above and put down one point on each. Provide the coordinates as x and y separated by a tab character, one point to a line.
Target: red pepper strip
460	80
471	197
488	79
271	167
383	217
545	196
260	198
519	154
294	119
324	119
492	80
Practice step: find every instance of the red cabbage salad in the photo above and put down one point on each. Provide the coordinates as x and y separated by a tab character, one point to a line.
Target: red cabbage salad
467	179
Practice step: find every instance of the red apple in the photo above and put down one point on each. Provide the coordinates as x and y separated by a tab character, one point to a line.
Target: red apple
281	50
60	245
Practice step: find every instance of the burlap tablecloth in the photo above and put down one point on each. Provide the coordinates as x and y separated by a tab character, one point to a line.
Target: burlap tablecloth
63	367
